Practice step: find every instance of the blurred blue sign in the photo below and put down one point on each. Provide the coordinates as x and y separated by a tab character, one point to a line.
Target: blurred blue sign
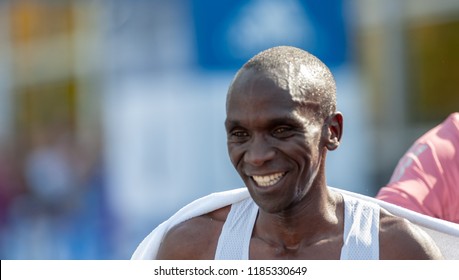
229	32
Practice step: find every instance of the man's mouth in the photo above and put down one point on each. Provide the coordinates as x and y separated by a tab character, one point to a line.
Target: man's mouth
268	180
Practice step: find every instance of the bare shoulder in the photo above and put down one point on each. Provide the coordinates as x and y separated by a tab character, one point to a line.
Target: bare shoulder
195	238
400	239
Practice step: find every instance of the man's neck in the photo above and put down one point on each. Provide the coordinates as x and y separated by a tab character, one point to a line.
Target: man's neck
302	225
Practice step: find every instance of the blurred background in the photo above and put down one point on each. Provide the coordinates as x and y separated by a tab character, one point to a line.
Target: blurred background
111	112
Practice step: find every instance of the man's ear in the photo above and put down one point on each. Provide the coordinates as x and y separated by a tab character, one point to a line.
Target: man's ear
334	130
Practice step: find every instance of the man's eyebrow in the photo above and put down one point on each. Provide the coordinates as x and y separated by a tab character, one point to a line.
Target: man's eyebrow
232	123
276	121
286	120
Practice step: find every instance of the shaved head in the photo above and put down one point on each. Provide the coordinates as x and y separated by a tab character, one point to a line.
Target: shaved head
298	72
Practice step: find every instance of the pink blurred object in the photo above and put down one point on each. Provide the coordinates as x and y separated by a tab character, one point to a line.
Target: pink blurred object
426	179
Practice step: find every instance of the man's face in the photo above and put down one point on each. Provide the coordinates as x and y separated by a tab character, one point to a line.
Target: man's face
273	140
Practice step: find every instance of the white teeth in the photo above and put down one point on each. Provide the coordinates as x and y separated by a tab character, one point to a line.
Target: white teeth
268	180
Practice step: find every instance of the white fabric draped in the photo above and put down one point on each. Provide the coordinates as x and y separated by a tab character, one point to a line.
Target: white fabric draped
445	234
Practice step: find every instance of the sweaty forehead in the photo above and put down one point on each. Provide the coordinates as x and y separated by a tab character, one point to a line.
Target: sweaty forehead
252	86
294	84
261	99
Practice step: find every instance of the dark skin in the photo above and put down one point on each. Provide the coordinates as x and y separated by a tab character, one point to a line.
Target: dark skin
278	144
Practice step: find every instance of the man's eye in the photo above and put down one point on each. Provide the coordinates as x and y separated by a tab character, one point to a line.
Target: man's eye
238	135
282	131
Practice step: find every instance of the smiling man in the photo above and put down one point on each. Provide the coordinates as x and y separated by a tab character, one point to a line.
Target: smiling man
281	122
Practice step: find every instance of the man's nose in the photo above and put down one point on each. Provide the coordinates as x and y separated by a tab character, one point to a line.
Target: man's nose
259	151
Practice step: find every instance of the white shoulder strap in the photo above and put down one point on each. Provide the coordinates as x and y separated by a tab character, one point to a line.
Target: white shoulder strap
444	233
234	240
361	230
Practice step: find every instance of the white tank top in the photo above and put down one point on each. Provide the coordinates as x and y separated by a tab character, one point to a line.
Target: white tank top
361	230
